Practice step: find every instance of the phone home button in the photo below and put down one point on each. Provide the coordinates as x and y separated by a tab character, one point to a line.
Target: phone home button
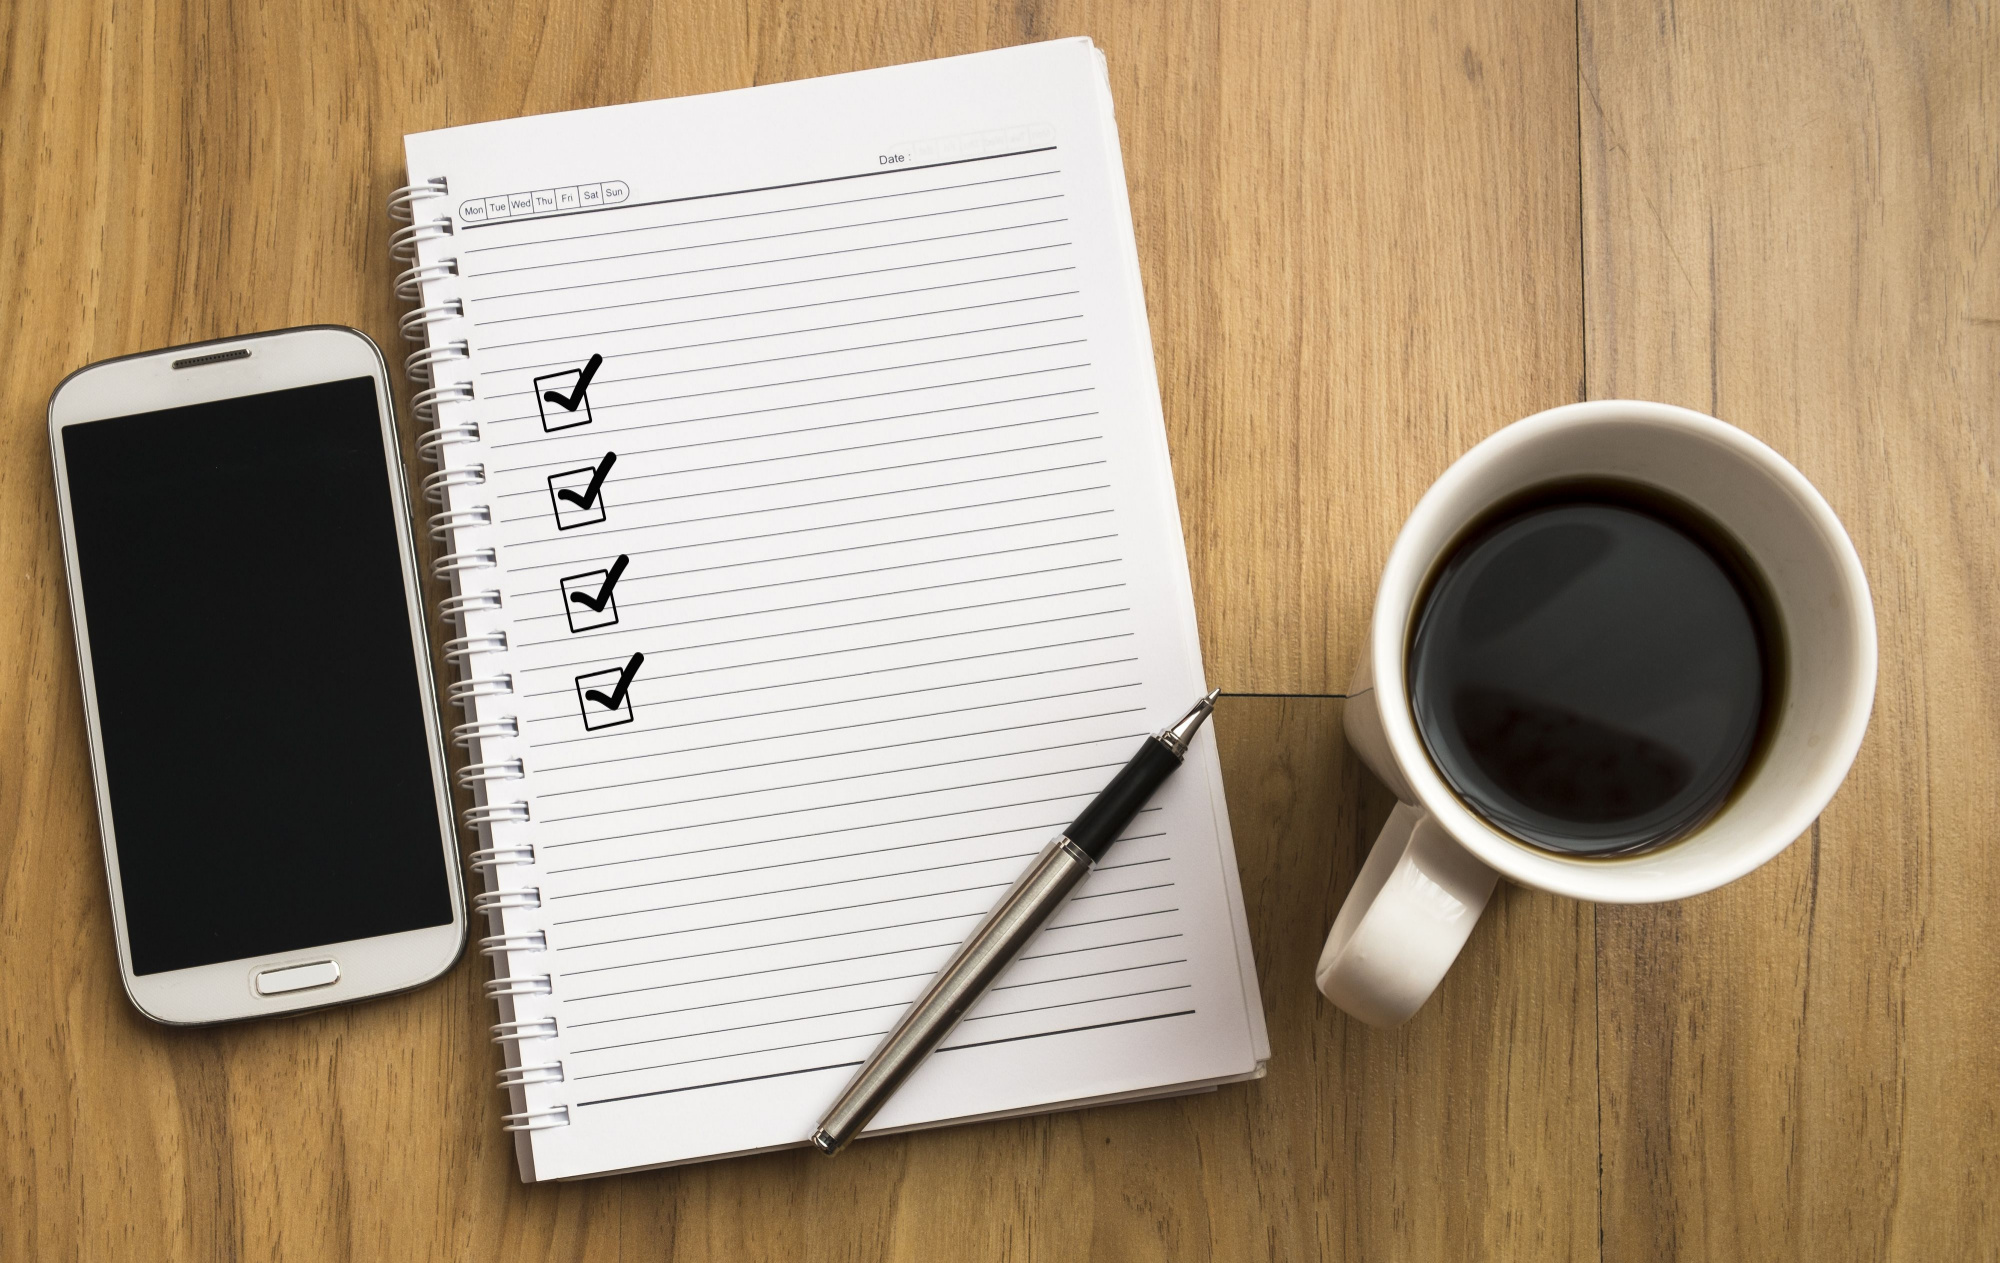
320	973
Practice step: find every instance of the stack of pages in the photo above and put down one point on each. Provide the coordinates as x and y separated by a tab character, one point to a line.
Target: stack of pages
816	558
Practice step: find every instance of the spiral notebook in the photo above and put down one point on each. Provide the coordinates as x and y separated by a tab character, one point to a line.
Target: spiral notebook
814	558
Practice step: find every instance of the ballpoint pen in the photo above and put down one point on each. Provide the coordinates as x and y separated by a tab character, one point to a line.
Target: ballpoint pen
991	947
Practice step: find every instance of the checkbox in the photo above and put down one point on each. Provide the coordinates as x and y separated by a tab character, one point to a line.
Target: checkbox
595	585
606	684
554	415
582	482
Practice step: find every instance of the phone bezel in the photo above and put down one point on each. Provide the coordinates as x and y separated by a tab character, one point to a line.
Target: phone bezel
148	382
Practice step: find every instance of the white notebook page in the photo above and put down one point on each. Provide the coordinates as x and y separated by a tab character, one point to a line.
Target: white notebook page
874	453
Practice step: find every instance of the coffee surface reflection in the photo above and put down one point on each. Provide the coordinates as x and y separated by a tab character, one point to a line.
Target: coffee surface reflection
1592	666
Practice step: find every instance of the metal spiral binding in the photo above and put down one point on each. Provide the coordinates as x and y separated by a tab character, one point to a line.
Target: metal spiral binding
501	944
471	559
485	730
464	527
519	897
532	1028
499	770
417	365
424	406
411	280
460	648
496	813
521	984
453	609
402	201
404	241
417	321
430	445
491	857
526	1073
536	1120
443	524
436	485
462	691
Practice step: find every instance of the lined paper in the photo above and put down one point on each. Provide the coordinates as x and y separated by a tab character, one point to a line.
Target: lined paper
873	429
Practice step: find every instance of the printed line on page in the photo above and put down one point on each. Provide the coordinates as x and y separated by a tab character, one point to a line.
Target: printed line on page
822	834
677	497
1043	1008
752	263
996	859
779	210
780	890
849	1065
895	618
967	890
786	583
785	942
818	403
857	675
816	964
863	906
1075	796
613	332
869	521
774	236
487	370
1028	830
854	802
856	776
770	188
631	451
552	768
824	377
879	697
836	986
594	308
808	355
734	666
815	504
792	916
849	600
531	593
849	933
849	727
841	960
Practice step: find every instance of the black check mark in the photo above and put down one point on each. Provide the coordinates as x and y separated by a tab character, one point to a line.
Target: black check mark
596	604
588	496
617	697
574	400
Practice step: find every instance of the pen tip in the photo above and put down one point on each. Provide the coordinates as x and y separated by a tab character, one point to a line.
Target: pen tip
1178	734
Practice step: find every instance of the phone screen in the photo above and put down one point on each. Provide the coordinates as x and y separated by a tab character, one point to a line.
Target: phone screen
262	720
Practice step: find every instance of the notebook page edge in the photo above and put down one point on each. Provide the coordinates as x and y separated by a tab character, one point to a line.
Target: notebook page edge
1226	844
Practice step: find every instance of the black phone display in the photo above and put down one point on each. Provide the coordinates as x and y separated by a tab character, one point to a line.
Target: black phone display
265	742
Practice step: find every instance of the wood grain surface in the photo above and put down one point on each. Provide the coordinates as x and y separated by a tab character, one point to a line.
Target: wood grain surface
1789	222
1372	233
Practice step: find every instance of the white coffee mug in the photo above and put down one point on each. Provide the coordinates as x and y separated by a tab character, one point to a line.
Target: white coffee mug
1435	863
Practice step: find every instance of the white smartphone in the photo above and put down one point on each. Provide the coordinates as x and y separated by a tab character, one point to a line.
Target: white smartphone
264	729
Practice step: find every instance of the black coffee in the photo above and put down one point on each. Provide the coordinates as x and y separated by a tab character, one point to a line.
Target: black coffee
1592	668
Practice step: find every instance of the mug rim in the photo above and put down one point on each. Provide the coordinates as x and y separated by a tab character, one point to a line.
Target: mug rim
1605	880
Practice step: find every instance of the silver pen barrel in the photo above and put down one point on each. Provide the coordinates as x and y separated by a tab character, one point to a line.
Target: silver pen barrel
957	987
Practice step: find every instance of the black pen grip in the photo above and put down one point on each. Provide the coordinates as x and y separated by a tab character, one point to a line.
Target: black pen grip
1108	813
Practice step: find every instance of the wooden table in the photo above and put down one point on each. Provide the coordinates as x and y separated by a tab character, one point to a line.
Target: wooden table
1372	232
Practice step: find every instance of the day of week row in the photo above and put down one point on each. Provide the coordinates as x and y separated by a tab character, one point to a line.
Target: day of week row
544	201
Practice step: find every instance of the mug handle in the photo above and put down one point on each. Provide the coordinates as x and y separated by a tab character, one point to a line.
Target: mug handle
1410	911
